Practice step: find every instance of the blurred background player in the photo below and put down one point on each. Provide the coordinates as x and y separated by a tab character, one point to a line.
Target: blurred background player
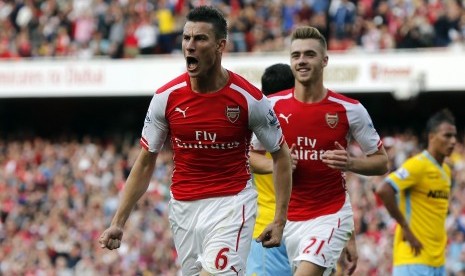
261	260
416	195
213	208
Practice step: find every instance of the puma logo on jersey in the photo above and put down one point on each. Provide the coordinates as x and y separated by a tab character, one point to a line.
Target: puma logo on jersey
234	269
285	117
183	112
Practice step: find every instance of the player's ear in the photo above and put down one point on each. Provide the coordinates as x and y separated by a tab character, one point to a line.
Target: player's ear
325	61
221	45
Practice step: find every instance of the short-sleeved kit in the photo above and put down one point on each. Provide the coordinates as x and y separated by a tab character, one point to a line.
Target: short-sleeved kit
210	136
423	188
319	195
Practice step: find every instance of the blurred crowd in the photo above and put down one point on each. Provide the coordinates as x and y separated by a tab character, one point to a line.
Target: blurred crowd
56	197
133	28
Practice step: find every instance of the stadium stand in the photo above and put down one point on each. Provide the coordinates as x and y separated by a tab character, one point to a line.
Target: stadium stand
129	29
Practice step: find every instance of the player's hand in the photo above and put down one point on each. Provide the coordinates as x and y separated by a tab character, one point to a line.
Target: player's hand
111	238
272	235
409	237
294	159
337	159
350	257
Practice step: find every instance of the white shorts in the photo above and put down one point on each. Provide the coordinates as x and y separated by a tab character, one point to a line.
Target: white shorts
214	233
319	240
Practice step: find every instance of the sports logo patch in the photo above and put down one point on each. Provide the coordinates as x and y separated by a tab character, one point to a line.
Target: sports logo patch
272	119
402	173
332	119
286	118
233	113
147	117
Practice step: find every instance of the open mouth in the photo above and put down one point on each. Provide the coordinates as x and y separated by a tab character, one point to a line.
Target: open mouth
192	63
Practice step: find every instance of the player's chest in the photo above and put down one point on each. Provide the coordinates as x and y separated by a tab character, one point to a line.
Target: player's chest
191	117
313	122
435	184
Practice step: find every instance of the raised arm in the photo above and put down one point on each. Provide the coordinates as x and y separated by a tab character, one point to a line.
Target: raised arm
136	185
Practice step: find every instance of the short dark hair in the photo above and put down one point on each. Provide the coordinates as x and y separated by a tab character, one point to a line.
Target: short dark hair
277	77
210	15
308	32
442	116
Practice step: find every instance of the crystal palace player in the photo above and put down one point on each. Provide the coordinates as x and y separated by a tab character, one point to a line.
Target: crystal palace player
416	195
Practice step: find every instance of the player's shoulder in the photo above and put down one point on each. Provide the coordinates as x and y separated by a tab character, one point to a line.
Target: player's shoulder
417	161
281	95
176	83
334	96
242	85
411	168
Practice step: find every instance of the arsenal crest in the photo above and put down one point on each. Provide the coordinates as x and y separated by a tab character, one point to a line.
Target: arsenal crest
332	119
232	113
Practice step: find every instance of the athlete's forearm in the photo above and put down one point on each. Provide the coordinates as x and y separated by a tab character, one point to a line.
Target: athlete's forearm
375	164
388	196
260	164
136	185
282	177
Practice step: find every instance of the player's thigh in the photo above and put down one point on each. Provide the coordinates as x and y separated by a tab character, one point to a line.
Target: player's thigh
227	243
418	270
319	241
215	233
183	217
268	261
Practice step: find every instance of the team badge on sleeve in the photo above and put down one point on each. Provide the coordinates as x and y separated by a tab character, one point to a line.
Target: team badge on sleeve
332	119
272	119
147	117
402	173
233	113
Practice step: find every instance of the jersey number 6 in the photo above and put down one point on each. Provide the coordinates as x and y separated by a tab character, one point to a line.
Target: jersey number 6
221	259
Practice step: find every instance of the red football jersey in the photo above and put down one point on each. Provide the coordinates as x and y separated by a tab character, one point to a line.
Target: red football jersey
314	127
210	134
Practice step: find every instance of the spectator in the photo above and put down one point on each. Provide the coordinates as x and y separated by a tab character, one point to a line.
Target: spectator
255	25
92	173
146	34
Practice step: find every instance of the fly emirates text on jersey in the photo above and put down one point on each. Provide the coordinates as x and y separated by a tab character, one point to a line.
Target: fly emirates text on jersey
205	140
306	149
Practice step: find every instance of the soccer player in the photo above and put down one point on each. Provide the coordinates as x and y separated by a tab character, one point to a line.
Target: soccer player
209	115
320	124
422	185
268	261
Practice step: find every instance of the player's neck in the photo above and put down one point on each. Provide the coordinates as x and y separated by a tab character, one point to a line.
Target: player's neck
210	83
310	93
439	157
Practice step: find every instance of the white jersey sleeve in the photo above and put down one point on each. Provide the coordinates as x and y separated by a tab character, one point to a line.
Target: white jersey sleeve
265	126
155	128
256	145
362	129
